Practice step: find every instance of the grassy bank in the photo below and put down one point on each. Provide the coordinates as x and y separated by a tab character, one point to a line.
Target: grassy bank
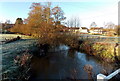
11	53
105	51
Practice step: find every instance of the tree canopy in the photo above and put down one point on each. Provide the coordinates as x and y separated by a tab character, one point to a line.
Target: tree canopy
44	23
18	26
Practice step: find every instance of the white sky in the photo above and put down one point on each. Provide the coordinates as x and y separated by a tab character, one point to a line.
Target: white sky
100	16
106	15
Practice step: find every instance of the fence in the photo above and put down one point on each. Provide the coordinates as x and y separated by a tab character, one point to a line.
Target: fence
101	77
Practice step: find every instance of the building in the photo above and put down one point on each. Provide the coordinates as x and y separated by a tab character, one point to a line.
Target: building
84	30
96	30
73	29
4	27
7	26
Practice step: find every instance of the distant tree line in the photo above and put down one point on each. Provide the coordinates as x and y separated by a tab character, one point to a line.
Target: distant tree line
73	22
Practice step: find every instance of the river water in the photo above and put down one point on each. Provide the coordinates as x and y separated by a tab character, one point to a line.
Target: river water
60	63
63	63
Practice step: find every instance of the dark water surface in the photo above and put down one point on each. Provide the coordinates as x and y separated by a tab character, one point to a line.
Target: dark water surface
62	63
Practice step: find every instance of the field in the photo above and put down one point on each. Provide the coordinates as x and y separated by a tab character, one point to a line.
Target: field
3	37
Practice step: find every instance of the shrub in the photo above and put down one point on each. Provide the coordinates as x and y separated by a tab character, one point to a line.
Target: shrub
103	51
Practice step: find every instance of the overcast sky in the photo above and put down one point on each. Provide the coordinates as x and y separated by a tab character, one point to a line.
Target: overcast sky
88	11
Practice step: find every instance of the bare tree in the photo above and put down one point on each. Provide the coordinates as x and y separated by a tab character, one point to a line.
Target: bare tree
73	22
58	15
7	22
110	25
93	24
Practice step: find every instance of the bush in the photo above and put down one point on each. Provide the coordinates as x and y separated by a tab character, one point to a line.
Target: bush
117	29
104	51
86	47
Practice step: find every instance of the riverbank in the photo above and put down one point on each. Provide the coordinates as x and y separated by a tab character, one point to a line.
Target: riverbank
16	67
105	51
11	70
4	37
59	63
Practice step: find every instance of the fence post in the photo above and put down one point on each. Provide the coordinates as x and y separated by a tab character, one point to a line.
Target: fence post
101	77
113	74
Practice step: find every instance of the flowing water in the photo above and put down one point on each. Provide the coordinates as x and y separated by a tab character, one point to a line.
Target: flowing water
63	63
59	63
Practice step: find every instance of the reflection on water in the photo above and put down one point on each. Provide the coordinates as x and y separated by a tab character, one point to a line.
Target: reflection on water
62	63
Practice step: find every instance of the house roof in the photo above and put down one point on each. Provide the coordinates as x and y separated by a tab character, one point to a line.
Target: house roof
84	27
96	28
73	28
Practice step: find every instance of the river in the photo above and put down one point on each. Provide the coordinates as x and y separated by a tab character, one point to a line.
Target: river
59	63
63	63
